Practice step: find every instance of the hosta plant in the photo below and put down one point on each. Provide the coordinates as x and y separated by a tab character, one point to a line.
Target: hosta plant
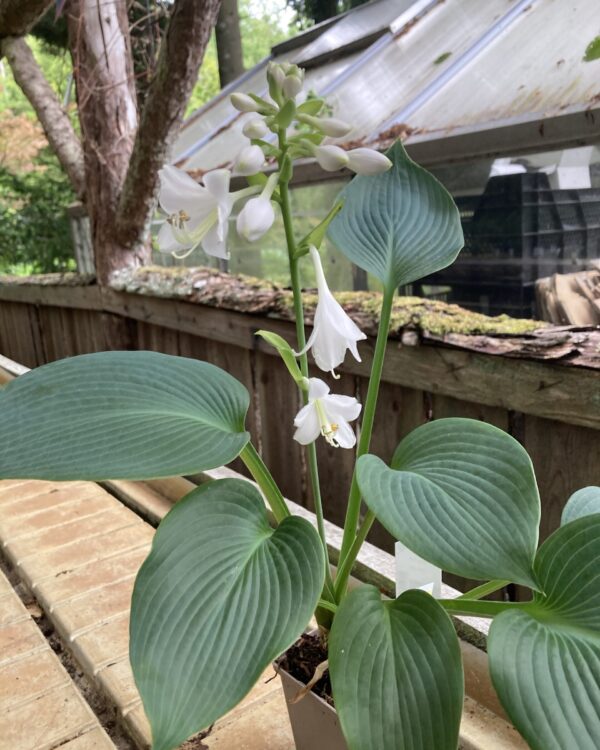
227	587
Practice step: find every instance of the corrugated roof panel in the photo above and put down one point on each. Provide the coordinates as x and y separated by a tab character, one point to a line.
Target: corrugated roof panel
535	65
226	144
362	23
411	61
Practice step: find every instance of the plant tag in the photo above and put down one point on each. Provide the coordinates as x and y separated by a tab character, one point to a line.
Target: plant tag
412	572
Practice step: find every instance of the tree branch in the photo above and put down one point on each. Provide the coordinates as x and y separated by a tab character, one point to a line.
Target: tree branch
179	60
54	120
18	16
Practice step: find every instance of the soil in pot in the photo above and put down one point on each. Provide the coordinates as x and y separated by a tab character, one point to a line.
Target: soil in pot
313	718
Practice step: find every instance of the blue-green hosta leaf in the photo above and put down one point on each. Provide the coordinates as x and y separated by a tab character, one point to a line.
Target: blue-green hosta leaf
219	597
545	659
461	494
584	502
396	672
400	225
120	415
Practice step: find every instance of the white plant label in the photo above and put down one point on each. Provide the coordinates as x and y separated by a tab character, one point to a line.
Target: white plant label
412	572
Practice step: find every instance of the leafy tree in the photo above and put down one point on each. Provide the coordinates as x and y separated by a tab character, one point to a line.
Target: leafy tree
315	11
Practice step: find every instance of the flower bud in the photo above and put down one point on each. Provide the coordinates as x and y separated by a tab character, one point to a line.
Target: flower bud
327	125
330	158
276	73
244	103
292	86
255	128
367	161
250	160
255	219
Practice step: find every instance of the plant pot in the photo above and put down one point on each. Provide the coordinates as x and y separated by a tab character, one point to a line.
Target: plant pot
314	722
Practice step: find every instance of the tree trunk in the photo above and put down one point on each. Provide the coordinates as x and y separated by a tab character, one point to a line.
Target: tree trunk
17	16
99	42
229	42
54	119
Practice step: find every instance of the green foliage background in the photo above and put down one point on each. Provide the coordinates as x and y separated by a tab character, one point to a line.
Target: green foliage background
34	228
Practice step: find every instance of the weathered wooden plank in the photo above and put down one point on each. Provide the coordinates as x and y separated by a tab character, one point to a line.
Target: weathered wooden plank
78	297
565	458
548	390
277	407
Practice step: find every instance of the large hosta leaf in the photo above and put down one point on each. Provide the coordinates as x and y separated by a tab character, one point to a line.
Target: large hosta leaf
584	502
219	597
545	659
400	225
120	415
396	672
461	494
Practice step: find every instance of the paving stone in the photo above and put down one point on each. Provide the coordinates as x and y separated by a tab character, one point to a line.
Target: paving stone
99	606
15	523
19	639
103	645
80	528
49	719
45	494
94	740
116	680
40	706
90	577
12	610
72	556
29	677
265	726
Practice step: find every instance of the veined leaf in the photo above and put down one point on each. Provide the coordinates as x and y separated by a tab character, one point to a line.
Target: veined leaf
396	672
219	597
584	502
120	415
545	658
461	494
400	225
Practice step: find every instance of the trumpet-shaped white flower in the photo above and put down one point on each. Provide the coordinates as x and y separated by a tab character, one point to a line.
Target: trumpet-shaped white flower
333	330
250	160
367	161
197	214
328	415
255	128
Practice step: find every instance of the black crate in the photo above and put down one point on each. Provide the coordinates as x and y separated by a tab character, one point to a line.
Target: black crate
520	230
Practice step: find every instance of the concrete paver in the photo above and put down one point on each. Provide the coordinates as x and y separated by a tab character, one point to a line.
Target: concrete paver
40	706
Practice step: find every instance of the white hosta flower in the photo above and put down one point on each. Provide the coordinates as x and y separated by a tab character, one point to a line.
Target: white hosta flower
333	330
250	160
366	161
292	86
244	103
328	415
330	158
255	128
328	125
255	219
197	214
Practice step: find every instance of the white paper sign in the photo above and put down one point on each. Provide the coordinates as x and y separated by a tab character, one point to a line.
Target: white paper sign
412	572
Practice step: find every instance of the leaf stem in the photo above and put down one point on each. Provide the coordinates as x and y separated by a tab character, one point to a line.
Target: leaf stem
329	606
313	468
486	588
262	477
478	608
353	539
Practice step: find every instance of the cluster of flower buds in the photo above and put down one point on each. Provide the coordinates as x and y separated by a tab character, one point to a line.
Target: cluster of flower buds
198	214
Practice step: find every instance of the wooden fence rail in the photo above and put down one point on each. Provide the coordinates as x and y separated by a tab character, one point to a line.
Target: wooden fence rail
551	407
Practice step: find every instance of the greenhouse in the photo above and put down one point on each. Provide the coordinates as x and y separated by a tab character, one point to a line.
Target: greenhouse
474	92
